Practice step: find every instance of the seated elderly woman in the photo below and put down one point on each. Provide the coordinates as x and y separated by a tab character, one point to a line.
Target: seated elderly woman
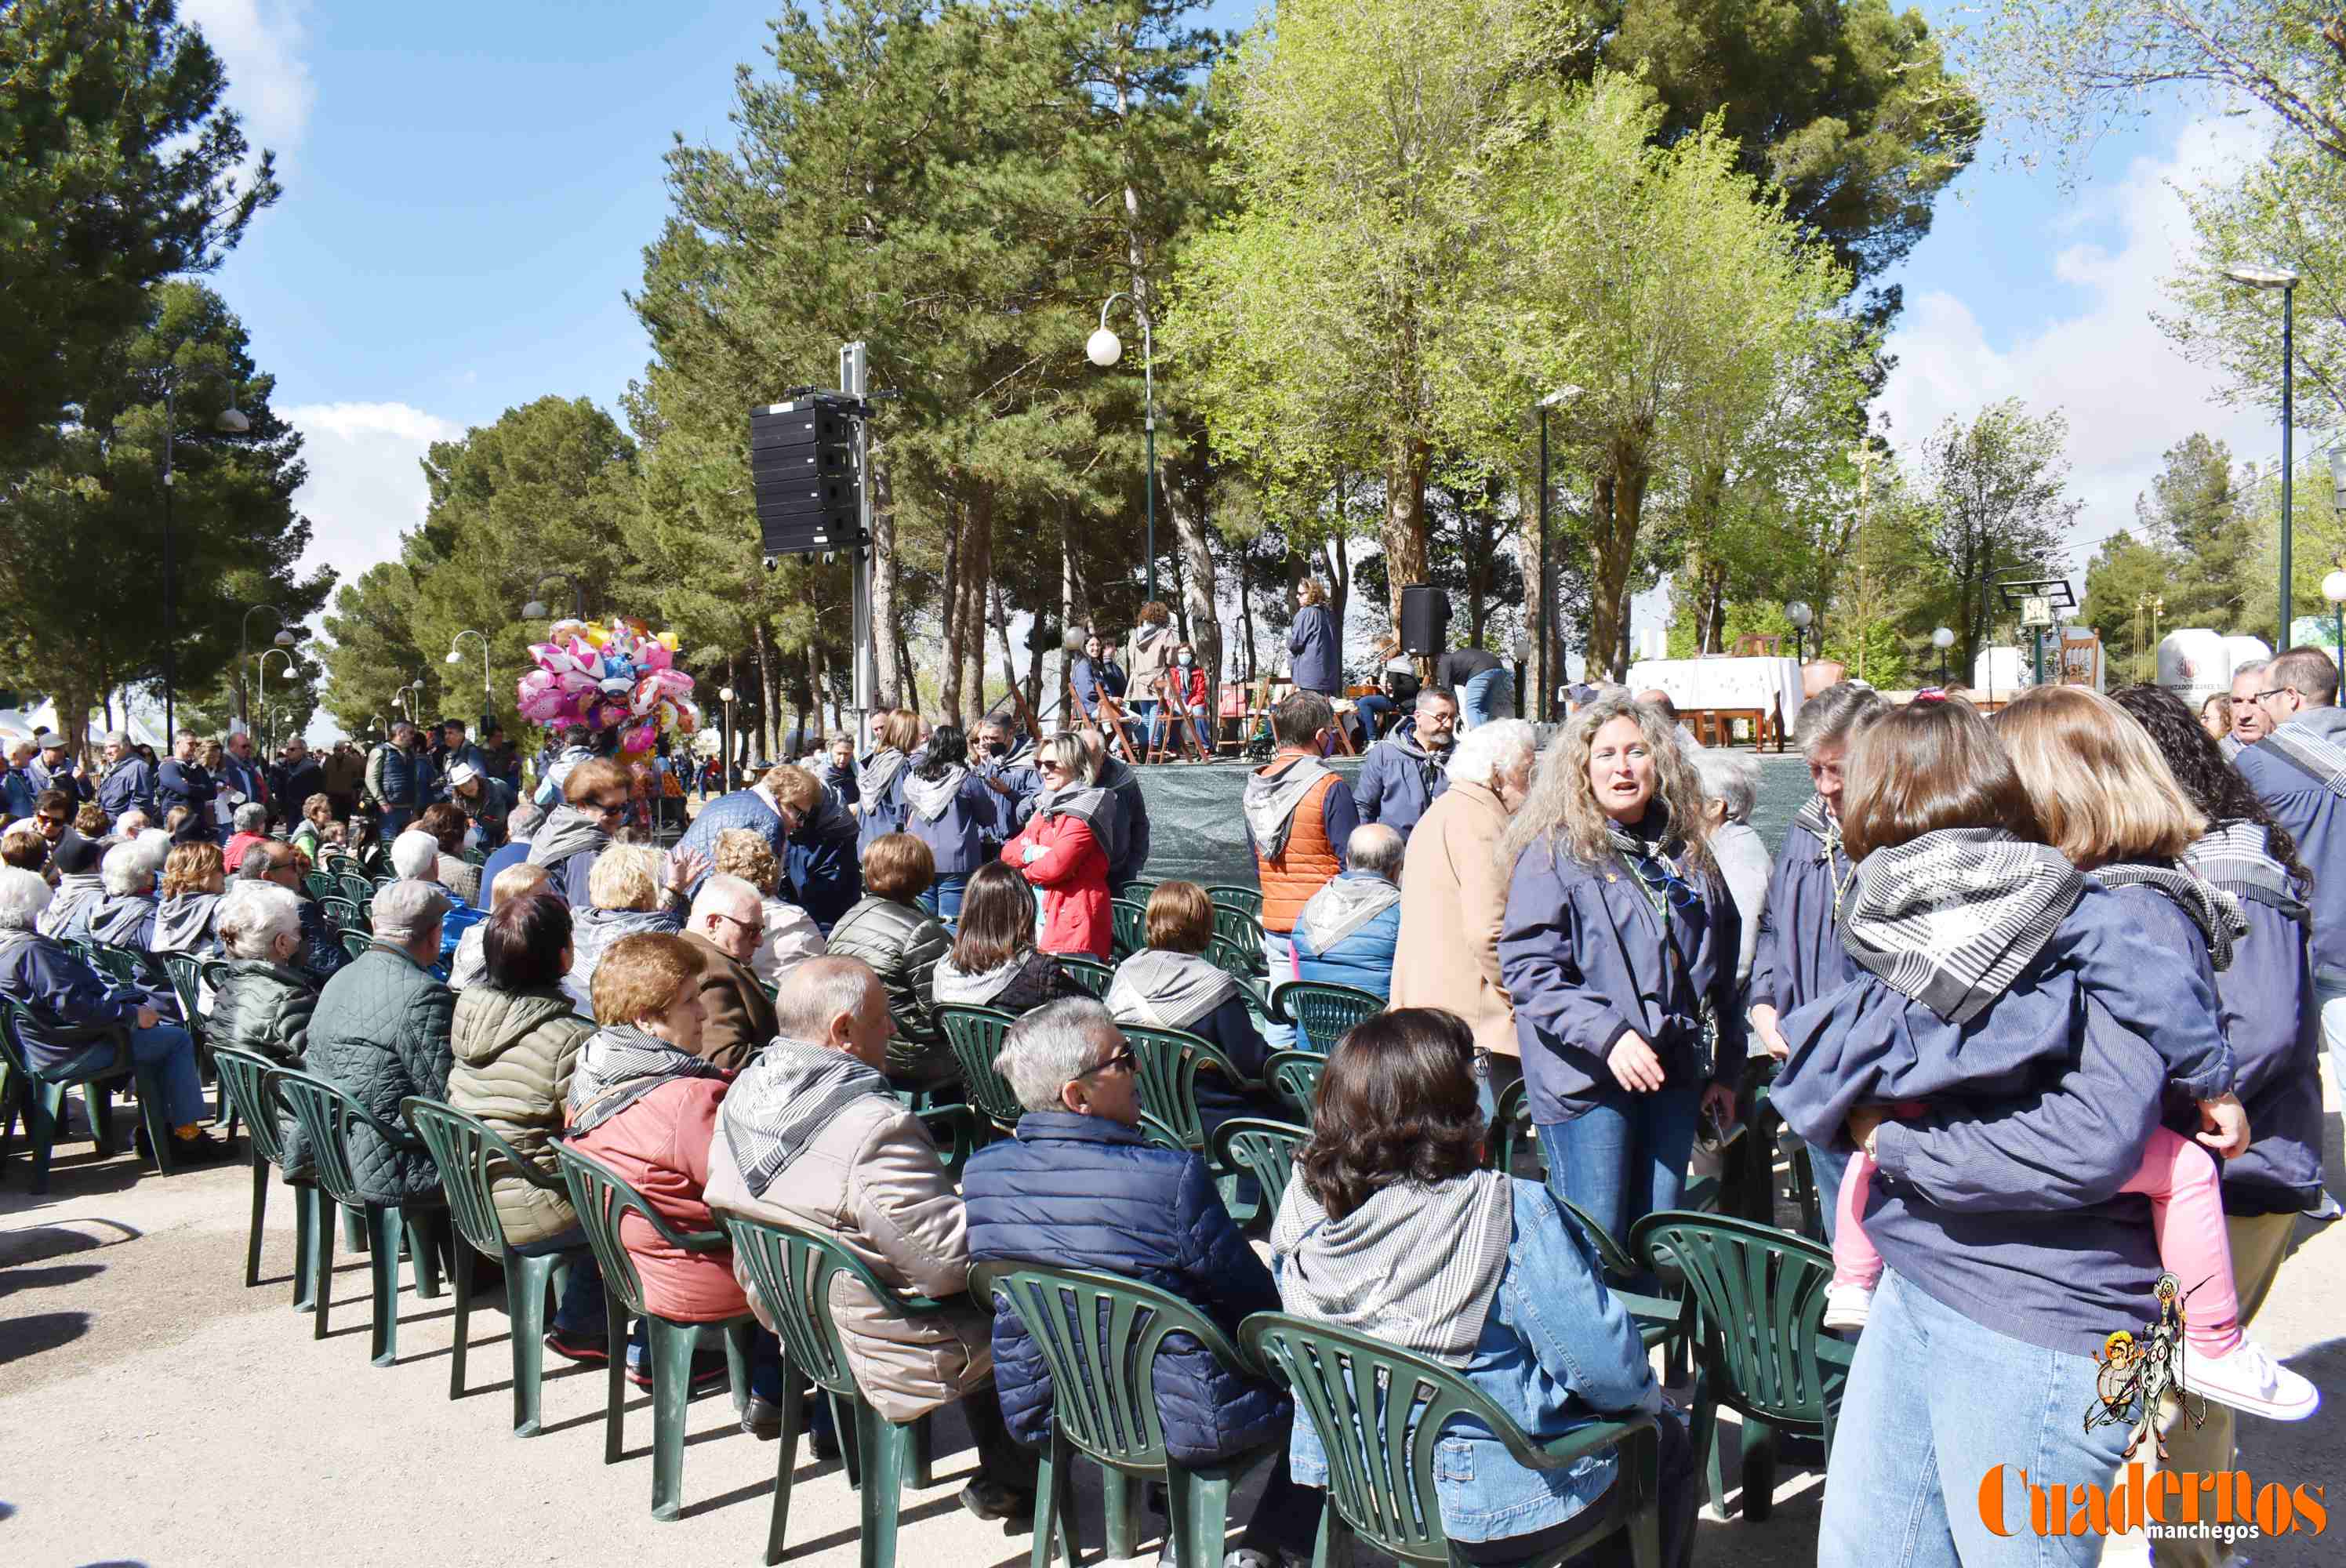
380	1032
323	955
1079	1188
309	835
80	888
1171	984
1391	1229
631	890
447	825
125	915
416	856
265	1003
790	933
470	964
993	961
80	1021
252	826
1348	930
902	942
186	920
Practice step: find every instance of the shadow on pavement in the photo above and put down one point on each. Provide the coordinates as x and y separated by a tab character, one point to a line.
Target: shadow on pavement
25	1337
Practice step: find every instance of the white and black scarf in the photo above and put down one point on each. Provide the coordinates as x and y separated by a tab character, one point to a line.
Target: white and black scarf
784	1098
618	1065
1269	800
568	831
1951	919
879	772
2216	912
1415	1266
2313	753
2237	856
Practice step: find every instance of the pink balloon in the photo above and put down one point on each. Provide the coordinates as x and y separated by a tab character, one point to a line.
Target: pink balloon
638	739
654	654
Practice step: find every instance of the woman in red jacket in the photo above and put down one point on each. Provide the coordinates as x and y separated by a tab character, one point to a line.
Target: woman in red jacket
1063	851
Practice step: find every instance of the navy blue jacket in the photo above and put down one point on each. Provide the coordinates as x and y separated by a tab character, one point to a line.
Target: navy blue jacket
1011	810
2315	816
128	783
826	877
878	815
1318	661
1089	677
840	781
1128	854
1585	957
46	778
1396	788
18	786
1799	956
66	994
741	808
187	784
2265	1001
1080	1192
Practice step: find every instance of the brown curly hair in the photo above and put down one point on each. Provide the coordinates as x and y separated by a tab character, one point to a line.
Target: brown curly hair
1396	1103
193	869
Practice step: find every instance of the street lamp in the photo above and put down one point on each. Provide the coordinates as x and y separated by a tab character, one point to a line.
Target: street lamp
725	773
264	696
2282	279
1801	616
229	420
1104	348
1942	640
456	655
410	699
284	639
2333	589
536	610
1548	662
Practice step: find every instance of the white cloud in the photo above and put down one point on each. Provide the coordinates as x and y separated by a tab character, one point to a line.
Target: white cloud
365	486
268	82
2128	395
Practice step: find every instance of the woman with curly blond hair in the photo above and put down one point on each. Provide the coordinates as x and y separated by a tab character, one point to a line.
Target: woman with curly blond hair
188	917
1619	947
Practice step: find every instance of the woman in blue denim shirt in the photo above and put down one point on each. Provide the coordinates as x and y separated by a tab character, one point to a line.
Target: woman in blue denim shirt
1391	1227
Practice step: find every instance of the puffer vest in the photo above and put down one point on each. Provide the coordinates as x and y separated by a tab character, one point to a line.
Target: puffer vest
1303	867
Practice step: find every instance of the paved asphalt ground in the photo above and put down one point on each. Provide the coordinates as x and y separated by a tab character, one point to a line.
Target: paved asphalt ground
155	1410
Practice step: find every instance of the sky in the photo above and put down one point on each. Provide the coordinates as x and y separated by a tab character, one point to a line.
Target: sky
469	188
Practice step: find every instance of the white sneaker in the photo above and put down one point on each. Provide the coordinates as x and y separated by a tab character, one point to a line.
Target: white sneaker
1848	1306
2251	1380
2326	1210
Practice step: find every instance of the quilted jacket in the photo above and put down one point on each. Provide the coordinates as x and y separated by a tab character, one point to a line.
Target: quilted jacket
1082	1192
514	1052
593	931
265	1008
902	944
380	1034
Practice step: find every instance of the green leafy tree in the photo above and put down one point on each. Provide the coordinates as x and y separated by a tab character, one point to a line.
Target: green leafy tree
374	657
2127	587
1999	485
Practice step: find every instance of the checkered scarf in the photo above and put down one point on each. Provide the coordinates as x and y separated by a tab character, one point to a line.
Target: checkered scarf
2216	912
2238	857
783	1100
618	1065
1951	919
2310	753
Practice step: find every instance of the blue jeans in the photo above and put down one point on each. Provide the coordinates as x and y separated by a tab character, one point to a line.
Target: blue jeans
1934	1403
1279	962
1373	711
765	1358
1489	696
1493	1074
1625	1158
2330	995
166	1048
1144	711
1828	1166
943	898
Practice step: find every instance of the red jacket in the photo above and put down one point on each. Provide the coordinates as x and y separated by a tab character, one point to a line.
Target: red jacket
660	1143
1072	872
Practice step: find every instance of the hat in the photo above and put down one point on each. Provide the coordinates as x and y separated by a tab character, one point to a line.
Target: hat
49	740
117	737
461	774
77	856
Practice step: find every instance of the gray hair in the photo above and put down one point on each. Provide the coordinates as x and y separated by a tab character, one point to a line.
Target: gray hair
1050	1047
1070	752
1835	715
1490	752
724	893
407	908
524	819
132	823
819	990
130	868
253	915
1427	696
23	896
1732	777
416	853
2249	667
252	817
1373	846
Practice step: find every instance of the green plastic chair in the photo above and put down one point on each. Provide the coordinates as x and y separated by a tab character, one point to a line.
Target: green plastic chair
356	888
1090	974
1101	1334
122	964
1243	964
342	913
1664	1319
975	1034
1295	1076
41	1100
244	1083
321	884
1510	1133
1759	1344
1139	890
356	943
603	1198
326	1114
383	879
1380	1411
790	1271
466	1149
1238	925
1262	1148
1165	1064
1131	927
1247	901
1322	1011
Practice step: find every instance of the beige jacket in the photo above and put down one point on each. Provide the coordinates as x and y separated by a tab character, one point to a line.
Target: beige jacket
1454	900
874	1182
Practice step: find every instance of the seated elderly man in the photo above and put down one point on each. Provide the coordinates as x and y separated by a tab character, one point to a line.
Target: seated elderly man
811	1136
323	955
1079	1188
80	888
80	1021
252	826
1347	929
131	824
380	1034
125	915
416	856
791	936
726	923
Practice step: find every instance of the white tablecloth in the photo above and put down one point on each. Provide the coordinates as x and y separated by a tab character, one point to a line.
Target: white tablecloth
1759	683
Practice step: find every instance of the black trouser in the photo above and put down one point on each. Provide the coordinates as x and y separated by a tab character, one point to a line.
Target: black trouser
1680	1494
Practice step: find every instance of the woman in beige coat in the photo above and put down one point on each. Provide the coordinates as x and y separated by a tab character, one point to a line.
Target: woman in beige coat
1453	895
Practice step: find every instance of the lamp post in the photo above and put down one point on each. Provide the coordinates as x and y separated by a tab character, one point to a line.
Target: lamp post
1548	662
725	773
2282	279
456	655
1942	640
1801	616
284	639
536	610
411	699
1104	348
230	421
286	653
2333	589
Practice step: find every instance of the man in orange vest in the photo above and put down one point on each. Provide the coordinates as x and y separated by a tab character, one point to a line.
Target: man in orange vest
1298	816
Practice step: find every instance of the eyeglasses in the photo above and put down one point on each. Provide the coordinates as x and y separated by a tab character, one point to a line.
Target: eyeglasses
757	929
48	821
1123	1058
2274	692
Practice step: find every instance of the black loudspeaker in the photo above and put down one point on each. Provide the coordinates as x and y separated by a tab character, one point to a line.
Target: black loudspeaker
1424	619
802	470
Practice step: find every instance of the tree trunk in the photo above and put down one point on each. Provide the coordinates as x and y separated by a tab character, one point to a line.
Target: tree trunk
1402	533
888	669
1198	592
765	689
1619	506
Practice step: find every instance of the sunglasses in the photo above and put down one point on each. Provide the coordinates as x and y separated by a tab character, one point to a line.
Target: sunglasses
609	808
1124	1058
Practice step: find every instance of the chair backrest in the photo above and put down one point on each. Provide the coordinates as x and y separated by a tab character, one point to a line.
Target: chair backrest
1510	1129
383	880
976	1035
1090	974
325	1114
1131	926
341	912
1240	962
1617	1259
321	884
1264	1149
1166	1063
602	1197
245	1079
791	1270
1138	890
465	1148
1238	926
187	982
1762	1292
356	888
1100	1335
1379	1411
215	971
1323	1010
115	962
356	942
1249	900
1295	1075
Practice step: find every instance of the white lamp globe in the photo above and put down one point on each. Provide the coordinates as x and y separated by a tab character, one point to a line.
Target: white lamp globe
1104	348
1943	638
1799	613
453	656
2333	587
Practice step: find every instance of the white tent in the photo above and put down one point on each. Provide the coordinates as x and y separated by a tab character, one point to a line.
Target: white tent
24	723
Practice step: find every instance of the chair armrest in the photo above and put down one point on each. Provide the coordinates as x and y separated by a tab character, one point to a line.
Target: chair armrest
1575	1445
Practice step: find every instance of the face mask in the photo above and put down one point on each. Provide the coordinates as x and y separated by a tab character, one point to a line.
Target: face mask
1185	661
997	748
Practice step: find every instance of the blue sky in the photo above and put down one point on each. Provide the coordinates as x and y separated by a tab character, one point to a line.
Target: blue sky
469	188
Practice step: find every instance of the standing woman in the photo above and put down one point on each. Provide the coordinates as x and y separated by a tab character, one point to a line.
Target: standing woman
1619	946
1061	851
1150	663
880	782
948	808
1318	651
1798	957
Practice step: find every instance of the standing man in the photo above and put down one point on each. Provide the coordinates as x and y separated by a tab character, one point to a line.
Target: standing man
1407	770
54	769
297	778
1014	784
345	775
397	776
184	781
1484	689
552	772
2250	723
16	787
243	771
838	772
1298	816
453	749
502	760
484	802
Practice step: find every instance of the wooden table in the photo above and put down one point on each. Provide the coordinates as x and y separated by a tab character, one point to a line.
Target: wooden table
1716	726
